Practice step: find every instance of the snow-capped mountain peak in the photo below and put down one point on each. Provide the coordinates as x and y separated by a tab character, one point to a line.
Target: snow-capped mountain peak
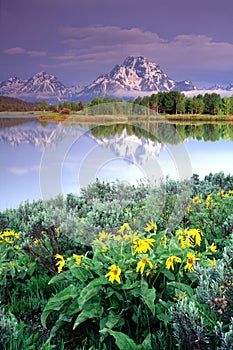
41	86
134	75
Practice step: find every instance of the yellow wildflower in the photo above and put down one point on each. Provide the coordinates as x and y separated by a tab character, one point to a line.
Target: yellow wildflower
153	271
212	262
60	264
196	234
142	263
196	199
37	241
190	262
16	247
213	248
117	238
220	193
124	227
114	274
164	240
104	250
8	240
11	233
170	262
143	245
103	236
151	226
180	296
189	209
126	237
12	263
208	201
185	238
78	258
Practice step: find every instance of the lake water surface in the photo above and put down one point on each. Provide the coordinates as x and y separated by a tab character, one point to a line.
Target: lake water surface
42	159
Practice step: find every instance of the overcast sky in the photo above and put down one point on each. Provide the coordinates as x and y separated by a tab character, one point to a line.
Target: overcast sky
78	40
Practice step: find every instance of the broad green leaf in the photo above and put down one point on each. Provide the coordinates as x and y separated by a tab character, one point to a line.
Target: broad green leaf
136	284
49	307
87	294
59	323
69	292
163	317
91	290
148	296
146	345
73	308
182	286
167	273
91	310
80	273
66	275
122	340
113	320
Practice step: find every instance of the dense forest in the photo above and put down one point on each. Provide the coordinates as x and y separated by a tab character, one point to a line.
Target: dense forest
173	102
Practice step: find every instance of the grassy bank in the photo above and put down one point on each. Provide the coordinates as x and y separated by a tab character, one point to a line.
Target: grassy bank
87	119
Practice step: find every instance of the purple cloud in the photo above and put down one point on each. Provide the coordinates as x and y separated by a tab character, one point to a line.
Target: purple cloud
184	56
22	51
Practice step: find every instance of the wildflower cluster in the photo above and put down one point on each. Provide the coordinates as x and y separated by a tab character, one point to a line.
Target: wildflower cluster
10	237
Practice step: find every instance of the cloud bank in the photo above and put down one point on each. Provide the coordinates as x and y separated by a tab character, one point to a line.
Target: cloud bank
22	51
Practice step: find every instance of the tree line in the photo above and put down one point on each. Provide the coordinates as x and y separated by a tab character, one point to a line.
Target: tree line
173	102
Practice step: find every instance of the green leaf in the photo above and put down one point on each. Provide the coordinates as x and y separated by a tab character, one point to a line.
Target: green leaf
55	303
122	340
182	286
91	290
48	309
91	310
113	320
163	317
69	292
127	286
146	345
80	273
73	308
61	277
148	296
167	273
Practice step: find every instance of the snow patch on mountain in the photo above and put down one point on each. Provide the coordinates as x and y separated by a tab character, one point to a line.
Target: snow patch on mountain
40	86
135	76
138	150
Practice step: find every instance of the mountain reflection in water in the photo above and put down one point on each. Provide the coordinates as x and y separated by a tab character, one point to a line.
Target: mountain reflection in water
42	159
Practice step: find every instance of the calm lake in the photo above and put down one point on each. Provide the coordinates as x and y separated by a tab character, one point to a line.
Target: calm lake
39	160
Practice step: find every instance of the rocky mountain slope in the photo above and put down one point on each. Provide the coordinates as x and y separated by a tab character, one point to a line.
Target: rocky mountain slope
136	76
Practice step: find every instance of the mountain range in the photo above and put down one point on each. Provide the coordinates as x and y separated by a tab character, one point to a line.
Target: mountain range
135	76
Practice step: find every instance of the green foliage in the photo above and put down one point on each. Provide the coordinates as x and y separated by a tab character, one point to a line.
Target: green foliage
121	267
189	326
175	102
